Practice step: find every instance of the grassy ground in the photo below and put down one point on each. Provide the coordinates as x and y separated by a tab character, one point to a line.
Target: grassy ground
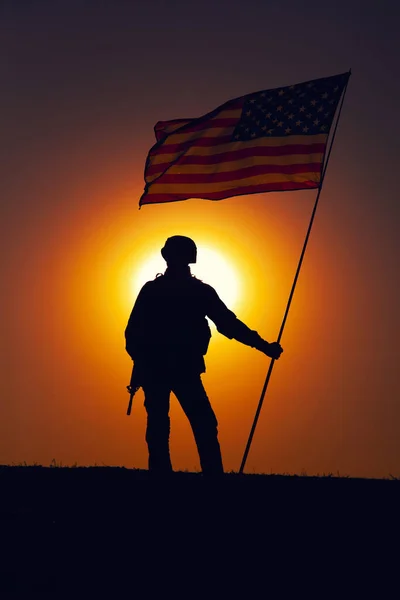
116	533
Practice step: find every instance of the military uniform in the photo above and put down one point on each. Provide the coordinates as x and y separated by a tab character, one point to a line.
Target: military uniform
167	337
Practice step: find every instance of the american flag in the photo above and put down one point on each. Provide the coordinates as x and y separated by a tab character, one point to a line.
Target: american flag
271	140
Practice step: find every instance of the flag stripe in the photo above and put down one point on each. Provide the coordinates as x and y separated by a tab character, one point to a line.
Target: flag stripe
179	138
201	156
225	118
164	128
220	121
282	145
153	198
196	139
182	130
232	113
207	187
277	152
200	164
243	173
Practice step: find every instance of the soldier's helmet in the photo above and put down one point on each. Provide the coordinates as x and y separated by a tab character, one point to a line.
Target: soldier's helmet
179	250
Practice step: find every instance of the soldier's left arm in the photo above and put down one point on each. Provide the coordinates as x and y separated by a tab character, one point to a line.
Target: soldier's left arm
229	325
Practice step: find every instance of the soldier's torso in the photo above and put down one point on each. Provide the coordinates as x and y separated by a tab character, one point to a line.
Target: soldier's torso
175	326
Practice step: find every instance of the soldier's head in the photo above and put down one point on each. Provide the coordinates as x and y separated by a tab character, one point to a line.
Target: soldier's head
179	251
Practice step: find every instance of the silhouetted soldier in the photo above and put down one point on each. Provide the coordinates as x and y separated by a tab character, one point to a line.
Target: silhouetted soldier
167	337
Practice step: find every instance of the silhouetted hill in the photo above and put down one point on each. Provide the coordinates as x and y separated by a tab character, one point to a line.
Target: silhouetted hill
106	528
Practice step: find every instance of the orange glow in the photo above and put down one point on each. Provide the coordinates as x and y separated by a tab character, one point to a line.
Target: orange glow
211	266
82	285
81	94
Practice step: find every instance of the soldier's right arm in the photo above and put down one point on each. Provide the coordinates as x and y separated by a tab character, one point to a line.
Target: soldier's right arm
134	331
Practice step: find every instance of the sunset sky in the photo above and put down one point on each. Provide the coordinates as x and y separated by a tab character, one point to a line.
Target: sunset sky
83	84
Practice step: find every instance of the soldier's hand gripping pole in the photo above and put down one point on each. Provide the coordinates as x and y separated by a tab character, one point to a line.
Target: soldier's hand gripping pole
132	388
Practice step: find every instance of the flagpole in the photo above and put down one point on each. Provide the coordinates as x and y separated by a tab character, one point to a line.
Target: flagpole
271	366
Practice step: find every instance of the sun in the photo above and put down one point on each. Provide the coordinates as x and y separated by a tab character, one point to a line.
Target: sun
211	267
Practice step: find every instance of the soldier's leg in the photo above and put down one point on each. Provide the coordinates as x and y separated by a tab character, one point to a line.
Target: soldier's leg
193	398
158	425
